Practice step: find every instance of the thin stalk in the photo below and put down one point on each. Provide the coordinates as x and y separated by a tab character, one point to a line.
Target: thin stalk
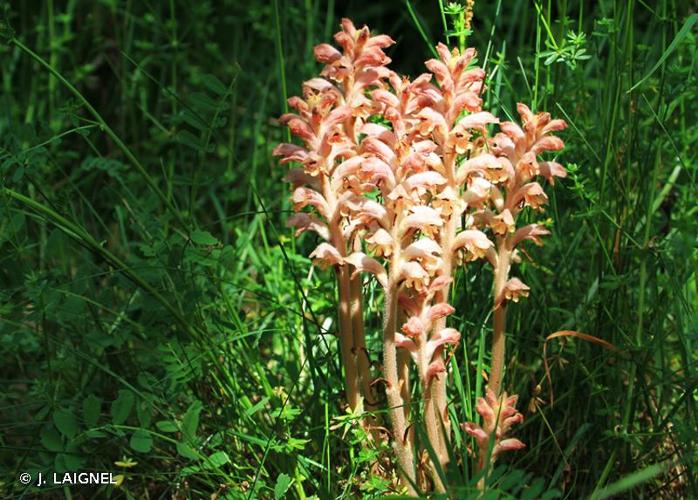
401	444
431	419
438	389
403	368
501	275
346	337
439	383
346	341
360	352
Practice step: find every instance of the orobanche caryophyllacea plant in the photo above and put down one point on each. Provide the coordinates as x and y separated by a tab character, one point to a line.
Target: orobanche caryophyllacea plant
406	184
517	150
328	121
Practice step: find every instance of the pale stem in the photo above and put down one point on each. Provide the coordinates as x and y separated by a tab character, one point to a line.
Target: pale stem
430	412
439	384
346	336
435	397
501	275
346	343
440	395
403	368
401	444
360	352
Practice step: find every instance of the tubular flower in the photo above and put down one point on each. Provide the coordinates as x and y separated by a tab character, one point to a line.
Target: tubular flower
474	243
512	291
326	255
306	222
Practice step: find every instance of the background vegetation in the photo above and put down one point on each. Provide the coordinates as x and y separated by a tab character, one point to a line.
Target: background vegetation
158	320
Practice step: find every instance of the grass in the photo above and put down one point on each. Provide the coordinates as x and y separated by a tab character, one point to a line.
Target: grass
158	321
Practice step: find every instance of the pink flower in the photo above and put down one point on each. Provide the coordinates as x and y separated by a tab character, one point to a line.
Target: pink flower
439	283
477	120
459	140
448	202
326	53
511	444
532	195
495	169
381	243
468	100
386	98
360	52
369	211
502	223
403	342
531	232
547	143
289	153
435	367
414	327
478	191
307	222
441	338
426	251
439	311
326	255
374	146
501	145
345	169
303	197
442	73
527	167
481	437
552	169
473	242
498	416
527	117
314	164
364	263
298	127
554	126
430	122
423	218
424	181
513	290
401	200
297	178
413	275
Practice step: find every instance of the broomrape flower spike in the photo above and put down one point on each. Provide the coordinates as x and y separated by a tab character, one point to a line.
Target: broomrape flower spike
498	414
402	180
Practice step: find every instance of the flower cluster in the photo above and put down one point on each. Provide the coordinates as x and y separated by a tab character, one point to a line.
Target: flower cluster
498	416
329	115
404	181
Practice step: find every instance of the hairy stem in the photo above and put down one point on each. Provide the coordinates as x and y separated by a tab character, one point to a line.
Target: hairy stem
360	353
403	369
439	384
346	341
431	419
442	296
501	274
401	444
346	335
